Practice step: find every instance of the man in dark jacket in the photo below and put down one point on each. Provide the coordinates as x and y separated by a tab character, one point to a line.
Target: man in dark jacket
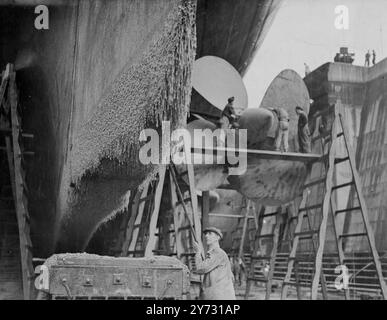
373	57
228	114
303	131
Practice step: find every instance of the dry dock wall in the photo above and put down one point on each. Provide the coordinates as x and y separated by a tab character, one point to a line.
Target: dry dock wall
360	94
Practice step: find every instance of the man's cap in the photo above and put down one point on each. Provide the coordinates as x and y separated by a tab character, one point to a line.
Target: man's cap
215	230
231	99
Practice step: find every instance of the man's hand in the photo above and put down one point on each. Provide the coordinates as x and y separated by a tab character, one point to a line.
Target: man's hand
196	247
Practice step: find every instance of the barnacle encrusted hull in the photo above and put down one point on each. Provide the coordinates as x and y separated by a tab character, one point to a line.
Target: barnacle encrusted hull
271	182
103	163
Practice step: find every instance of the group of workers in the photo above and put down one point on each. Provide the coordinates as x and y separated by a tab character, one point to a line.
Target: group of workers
229	120
368	56
219	273
282	136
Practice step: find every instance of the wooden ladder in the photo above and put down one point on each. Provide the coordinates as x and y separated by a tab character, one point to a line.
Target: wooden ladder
10	123
242	229
259	258
330	160
172	232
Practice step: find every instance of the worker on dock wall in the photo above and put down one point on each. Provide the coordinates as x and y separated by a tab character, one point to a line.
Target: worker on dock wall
367	59
216	268
303	131
373	57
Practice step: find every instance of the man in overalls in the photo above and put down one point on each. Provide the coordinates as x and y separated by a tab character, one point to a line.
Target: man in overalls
282	136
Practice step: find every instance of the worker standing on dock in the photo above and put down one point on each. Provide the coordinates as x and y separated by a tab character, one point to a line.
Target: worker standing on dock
367	59
303	131
373	57
218	278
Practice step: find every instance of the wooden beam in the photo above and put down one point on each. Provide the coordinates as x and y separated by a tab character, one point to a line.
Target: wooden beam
20	204
262	154
128	233
155	214
224	215
273	253
178	219
325	211
246	218
363	205
3	85
205	210
194	200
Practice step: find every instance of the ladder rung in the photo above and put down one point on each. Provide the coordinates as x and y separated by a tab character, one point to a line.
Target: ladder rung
261	258
157	234
135	251
24	135
312	183
289	283
270	235
306	237
257	279
268	215
27	153
347	235
311	207
292	258
340	134
347	210
184	228
340	160
306	233
188	254
343	185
